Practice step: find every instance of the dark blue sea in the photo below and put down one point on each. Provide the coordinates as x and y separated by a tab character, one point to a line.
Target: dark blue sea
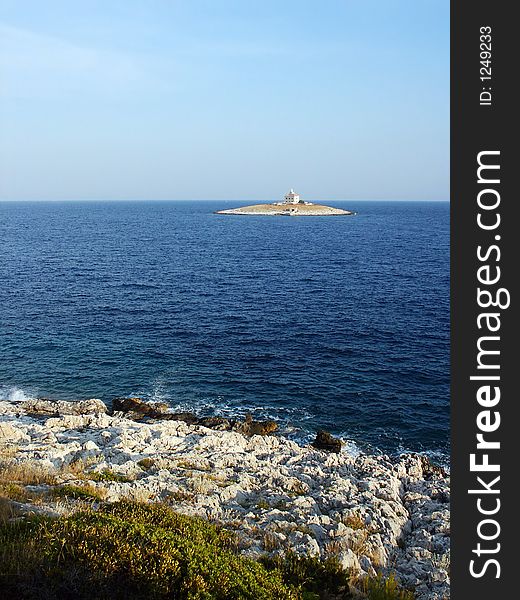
339	323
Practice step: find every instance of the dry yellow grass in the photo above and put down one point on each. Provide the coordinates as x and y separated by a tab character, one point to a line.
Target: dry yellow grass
6	511
14	491
139	495
76	468
26	473
16	475
354	521
333	548
7	452
270	542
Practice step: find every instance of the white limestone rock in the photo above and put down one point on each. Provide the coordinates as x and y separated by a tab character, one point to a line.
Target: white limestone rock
10	434
349	561
301	496
43	406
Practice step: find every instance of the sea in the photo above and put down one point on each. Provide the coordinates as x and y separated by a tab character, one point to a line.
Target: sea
336	323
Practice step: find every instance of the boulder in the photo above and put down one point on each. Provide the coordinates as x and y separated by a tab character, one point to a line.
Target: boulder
250	427
136	409
349	561
218	423
325	441
187	417
262	427
132	405
20	509
431	470
160	407
10	434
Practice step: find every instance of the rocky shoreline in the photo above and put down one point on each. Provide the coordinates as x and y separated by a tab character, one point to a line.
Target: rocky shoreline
308	209
375	513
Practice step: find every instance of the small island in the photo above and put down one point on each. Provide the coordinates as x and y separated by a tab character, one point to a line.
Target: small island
291	206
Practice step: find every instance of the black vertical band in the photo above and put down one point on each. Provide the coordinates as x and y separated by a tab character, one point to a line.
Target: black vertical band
483	128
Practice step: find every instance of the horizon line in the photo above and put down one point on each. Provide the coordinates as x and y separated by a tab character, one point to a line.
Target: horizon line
7	200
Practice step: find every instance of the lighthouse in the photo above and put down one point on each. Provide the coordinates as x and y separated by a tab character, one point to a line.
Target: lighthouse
291	197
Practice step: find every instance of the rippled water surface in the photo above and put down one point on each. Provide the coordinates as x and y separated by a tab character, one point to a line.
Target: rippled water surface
334	322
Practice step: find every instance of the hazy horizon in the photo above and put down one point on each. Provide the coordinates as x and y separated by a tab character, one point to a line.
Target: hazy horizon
29	200
224	101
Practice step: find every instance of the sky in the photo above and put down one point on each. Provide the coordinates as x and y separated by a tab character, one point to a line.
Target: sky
224	99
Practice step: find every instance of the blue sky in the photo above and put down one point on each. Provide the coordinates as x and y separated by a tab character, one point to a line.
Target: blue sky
224	99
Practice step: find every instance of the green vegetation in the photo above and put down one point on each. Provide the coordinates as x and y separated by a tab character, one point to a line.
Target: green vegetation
381	588
78	492
107	475
136	551
130	551
262	504
14	491
146	463
317	579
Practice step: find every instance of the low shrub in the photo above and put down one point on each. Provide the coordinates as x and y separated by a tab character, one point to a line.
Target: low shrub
6	510
107	475
385	588
78	492
315	579
130	551
136	551
14	491
146	463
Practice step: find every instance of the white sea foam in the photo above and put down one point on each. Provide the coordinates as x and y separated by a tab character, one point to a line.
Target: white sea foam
285	416
14	394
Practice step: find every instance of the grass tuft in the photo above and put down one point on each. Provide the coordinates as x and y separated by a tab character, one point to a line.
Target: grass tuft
78	492
25	473
314	578
384	588
146	463
6	510
108	475
354	521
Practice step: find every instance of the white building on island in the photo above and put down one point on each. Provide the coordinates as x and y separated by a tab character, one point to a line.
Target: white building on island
292	198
